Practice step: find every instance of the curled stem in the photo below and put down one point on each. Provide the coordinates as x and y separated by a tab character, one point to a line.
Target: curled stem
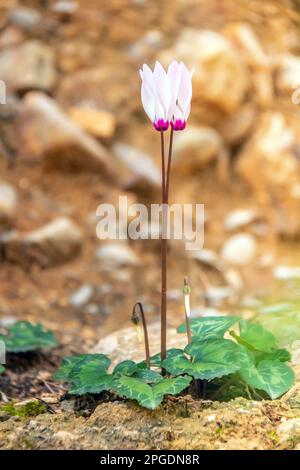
135	318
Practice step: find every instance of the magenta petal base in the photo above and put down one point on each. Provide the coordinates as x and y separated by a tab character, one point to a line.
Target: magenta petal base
178	125
161	125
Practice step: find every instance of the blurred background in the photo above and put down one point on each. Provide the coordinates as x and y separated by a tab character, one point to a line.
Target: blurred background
73	134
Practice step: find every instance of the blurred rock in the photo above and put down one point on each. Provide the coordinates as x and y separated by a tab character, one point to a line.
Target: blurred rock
206	257
82	295
238	126
240	218
26	18
284	273
221	78
239	249
216	295
269	163
195	148
246	41
30	65
116	254
45	131
54	243
99	87
65	8
8	204
151	41
11	37
287	74
140	173
96	122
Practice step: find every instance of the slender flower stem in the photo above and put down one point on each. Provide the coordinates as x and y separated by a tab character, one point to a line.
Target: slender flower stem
187	308
169	165
135	319
163	257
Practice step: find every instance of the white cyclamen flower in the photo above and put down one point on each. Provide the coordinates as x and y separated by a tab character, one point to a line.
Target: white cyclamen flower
166	97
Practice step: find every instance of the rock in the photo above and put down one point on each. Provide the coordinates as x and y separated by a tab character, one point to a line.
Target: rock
284	273
239	218
239	249
195	148
30	65
54	243
100	87
269	163
238	126
126	343
216	295
45	131
140	173
221	78
65	8
8	204
288	428
11	37
151	41
96	122
206	257
246	41
116	254
26	18
287	75
82	295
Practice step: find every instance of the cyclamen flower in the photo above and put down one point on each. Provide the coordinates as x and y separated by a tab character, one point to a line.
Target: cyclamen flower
166	96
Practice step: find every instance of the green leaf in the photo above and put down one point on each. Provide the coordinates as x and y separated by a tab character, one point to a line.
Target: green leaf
273	377
156	359
69	362
281	355
25	336
209	327
2	369
211	359
89	375
148	375
147	395
255	336
126	368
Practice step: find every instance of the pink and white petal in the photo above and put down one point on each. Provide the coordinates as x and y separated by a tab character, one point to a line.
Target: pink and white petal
160	112
174	75
148	101
162	85
185	89
148	78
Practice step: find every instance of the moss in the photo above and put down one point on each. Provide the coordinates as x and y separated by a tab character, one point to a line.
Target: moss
28	409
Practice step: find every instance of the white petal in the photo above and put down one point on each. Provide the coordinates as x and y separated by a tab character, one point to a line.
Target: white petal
148	78
174	74
162	86
185	89
148	101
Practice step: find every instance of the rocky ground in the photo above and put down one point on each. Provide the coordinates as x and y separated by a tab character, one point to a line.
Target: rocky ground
73	135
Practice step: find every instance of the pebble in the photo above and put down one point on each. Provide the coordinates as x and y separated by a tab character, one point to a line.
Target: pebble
284	273
8	203
239	250
239	218
82	295
116	255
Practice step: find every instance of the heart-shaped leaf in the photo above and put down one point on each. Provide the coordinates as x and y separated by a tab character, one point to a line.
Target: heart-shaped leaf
25	336
273	377
255	336
126	368
281	355
209	327
155	360
2	369
89	375
147	395
68	364
148	375
210	359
